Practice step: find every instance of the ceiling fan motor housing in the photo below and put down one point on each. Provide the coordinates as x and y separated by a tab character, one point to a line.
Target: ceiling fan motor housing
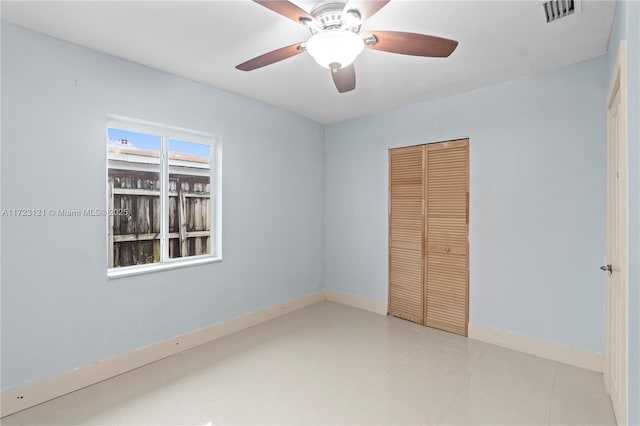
330	16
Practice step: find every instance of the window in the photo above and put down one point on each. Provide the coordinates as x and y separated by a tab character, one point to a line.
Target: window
163	197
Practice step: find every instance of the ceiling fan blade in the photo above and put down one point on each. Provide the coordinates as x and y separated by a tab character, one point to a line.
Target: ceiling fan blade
344	79
367	8
412	44
271	57
286	9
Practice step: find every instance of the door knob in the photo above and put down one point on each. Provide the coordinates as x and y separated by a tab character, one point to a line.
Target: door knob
606	268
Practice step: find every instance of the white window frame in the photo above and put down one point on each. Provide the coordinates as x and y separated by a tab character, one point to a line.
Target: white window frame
166	133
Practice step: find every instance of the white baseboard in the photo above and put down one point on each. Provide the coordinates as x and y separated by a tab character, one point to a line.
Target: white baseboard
530	345
27	396
357	302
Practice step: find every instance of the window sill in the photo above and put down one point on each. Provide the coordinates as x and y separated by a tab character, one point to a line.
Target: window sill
156	267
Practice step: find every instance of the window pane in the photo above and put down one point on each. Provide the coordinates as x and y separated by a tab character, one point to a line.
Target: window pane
189	199
134	198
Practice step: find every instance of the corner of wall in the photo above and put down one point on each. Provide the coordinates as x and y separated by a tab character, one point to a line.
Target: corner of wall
323	278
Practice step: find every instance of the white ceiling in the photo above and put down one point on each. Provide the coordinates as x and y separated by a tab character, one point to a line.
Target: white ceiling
204	40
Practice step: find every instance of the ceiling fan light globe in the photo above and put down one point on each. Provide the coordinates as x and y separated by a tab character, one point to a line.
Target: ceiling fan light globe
337	46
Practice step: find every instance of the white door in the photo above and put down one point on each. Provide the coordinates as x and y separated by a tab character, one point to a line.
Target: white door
616	356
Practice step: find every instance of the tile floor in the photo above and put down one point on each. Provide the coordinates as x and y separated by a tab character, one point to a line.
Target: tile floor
332	364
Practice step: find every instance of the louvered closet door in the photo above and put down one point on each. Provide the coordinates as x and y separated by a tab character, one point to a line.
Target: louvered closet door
446	260
406	230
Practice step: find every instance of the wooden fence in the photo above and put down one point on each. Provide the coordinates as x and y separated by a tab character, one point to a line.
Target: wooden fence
134	238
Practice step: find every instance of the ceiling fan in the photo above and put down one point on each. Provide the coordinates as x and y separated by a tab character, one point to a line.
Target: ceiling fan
336	40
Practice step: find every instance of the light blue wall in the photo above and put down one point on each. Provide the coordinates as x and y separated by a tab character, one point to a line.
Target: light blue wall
537	191
59	311
627	26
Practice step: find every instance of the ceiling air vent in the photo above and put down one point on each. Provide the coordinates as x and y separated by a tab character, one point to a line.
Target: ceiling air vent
556	9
